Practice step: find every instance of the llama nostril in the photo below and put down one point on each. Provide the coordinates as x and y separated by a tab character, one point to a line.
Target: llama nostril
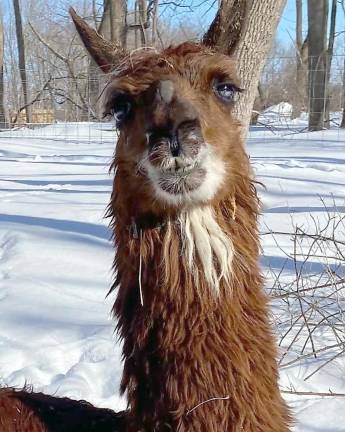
174	145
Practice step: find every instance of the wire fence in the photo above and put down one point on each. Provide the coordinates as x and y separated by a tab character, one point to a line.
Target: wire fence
289	96
58	104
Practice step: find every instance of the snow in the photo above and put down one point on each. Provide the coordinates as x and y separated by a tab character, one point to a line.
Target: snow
279	117
55	260
56	332
277	112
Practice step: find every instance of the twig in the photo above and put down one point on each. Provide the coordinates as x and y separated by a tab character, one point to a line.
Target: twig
206	401
318	394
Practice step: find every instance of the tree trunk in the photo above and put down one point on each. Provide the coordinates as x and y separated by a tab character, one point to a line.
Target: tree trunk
300	70
94	88
252	50
317	36
329	60
154	22
246	29
2	107
113	27
21	57
142	21
136	22
114	22
342	125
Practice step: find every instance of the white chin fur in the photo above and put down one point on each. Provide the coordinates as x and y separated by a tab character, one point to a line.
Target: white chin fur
203	237
215	173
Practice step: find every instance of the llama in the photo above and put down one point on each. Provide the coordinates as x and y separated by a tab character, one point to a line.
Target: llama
25	411
198	349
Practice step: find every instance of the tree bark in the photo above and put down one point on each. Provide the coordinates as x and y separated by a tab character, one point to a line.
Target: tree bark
317	36
136	22
114	22
246	28
142	21
342	125
300	69
2	107
329	59
113	27
21	57
154	22
227	27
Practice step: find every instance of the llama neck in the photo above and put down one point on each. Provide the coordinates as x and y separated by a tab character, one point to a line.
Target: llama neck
189	340
193	246
202	259
190	255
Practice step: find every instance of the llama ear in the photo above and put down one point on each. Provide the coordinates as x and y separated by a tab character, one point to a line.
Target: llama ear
105	54
228	26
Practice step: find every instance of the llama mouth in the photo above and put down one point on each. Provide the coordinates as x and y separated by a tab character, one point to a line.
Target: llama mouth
180	170
181	180
188	180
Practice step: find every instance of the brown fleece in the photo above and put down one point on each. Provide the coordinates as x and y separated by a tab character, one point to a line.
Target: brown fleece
184	346
25	411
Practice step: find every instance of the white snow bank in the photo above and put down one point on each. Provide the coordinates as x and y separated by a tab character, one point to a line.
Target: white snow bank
55	257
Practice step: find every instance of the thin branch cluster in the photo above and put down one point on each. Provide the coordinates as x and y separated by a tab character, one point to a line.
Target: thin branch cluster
308	294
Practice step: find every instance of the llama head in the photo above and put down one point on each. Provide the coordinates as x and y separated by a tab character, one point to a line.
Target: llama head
179	144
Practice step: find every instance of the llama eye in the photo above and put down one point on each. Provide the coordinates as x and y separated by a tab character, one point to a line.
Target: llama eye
226	91
121	109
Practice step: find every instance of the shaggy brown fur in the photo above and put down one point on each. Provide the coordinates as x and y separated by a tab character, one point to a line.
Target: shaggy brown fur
24	411
185	346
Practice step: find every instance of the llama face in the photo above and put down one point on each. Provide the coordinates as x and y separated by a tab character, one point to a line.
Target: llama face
177	160
168	109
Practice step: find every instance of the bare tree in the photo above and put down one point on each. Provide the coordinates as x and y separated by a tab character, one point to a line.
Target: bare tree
343	117
301	61
136	21
246	29
114	21
113	26
154	31
329	58
2	108
82	101
142	9
278	79
21	57
317	36
342	125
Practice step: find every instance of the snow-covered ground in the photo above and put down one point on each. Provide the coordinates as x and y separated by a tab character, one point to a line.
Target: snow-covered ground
55	257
